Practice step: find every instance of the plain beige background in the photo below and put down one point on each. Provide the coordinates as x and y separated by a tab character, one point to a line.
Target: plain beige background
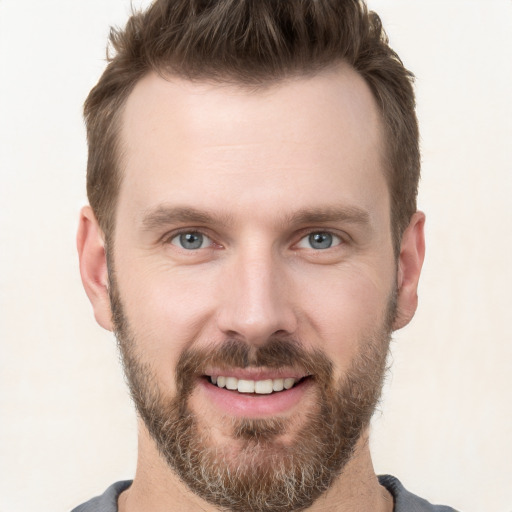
67	427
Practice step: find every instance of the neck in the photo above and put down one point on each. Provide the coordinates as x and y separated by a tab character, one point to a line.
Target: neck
157	488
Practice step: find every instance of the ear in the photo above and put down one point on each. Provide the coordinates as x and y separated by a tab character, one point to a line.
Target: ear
90	243
412	254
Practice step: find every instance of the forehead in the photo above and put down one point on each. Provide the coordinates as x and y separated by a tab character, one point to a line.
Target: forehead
293	142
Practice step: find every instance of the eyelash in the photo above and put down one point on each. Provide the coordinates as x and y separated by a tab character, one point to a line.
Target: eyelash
168	239
337	239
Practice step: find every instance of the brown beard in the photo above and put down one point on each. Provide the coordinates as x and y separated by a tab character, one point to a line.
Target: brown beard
258	471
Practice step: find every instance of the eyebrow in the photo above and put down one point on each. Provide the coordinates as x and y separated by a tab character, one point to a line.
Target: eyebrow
164	215
350	214
167	215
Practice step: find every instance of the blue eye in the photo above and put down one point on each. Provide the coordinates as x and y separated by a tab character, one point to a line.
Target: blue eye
319	240
192	240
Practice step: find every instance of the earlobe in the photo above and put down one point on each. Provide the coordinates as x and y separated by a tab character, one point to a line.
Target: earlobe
93	266
412	254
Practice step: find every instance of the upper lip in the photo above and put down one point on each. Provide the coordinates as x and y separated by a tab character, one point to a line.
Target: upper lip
256	373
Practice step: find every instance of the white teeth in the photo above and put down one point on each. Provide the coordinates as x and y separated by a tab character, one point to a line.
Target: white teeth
231	383
288	383
261	387
278	384
245	386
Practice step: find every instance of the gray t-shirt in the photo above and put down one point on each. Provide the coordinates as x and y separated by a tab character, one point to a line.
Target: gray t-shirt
404	500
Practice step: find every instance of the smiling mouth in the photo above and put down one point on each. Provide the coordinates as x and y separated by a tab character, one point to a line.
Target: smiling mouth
258	387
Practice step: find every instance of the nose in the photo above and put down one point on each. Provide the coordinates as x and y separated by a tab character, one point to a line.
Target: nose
257	299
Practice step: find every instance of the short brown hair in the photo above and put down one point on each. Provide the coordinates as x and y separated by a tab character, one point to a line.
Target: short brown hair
252	43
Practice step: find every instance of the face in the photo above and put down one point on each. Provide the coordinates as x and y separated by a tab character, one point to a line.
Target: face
253	282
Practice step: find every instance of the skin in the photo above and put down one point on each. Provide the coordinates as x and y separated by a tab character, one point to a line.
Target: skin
267	167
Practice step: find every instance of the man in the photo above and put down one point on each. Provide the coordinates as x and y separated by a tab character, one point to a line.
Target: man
253	241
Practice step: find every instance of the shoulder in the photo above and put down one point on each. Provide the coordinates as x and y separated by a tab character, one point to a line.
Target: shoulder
107	502
406	501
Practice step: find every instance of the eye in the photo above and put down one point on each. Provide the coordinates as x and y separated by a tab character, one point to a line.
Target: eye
191	240
319	240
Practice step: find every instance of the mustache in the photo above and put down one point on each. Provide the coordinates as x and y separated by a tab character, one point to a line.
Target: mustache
276	353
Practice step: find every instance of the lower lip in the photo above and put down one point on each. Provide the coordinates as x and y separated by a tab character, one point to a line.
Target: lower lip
253	405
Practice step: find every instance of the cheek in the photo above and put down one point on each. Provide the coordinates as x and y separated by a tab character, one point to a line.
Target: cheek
345	311
167	311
